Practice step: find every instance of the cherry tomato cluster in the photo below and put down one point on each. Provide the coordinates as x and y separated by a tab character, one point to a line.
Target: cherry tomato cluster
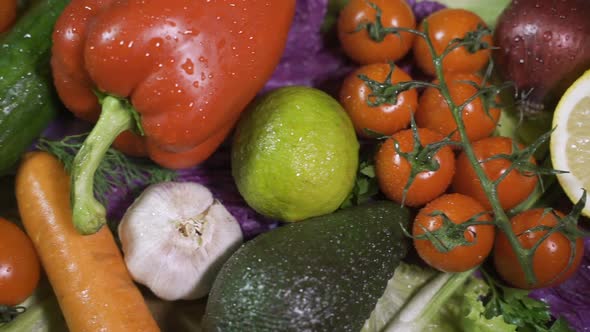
421	163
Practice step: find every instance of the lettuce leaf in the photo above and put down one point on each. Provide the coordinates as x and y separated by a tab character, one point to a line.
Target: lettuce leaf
473	310
413	299
422	299
406	281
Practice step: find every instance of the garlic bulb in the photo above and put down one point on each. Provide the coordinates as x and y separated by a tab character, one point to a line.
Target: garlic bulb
175	237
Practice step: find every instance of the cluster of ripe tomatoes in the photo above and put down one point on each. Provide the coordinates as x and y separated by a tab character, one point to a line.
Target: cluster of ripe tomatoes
421	163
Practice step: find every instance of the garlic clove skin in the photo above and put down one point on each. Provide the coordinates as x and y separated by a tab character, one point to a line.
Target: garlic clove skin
175	237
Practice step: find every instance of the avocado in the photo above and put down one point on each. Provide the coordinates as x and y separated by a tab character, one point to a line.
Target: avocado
322	274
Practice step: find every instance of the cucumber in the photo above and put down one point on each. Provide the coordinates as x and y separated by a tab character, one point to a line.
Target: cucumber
28	101
322	274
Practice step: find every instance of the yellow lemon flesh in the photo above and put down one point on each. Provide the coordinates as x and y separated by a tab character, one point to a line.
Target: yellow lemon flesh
570	141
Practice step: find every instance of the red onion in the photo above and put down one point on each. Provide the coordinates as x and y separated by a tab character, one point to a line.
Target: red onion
544	46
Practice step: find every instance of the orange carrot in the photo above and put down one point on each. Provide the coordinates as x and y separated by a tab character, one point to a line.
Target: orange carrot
87	272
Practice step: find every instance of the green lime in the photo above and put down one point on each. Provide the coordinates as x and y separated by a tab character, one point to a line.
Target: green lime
295	154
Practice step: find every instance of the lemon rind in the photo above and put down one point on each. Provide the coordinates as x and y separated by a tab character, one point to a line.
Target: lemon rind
559	138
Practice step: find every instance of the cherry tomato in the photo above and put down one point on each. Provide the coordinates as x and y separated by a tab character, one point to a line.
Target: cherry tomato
511	191
433	111
551	259
7	14
459	209
386	118
444	26
377	46
393	170
19	265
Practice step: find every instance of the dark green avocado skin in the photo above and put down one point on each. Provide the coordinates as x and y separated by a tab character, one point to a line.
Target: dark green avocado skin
322	274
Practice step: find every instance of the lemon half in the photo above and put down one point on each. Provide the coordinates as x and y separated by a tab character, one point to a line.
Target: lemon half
570	141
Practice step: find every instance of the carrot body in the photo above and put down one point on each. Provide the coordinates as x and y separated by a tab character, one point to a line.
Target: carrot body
87	272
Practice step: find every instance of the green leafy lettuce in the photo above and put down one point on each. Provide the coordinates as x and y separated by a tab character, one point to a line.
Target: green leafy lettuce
422	299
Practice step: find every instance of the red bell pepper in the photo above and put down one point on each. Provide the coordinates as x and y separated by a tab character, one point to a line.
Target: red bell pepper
166	78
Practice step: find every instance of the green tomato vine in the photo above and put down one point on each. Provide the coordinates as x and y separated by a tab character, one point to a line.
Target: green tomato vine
386	92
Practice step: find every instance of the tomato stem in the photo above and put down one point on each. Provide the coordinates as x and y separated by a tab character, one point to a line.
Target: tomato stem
473	42
89	215
501	219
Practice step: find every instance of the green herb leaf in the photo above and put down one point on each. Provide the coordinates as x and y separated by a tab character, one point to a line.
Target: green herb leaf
519	309
365	186
116	170
560	325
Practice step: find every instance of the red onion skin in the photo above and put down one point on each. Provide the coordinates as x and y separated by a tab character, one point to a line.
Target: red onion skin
544	45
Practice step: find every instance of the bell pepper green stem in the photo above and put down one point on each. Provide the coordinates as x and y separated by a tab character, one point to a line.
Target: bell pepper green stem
89	215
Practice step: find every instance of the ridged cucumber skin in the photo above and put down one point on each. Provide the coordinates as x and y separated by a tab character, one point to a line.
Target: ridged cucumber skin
28	101
321	274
